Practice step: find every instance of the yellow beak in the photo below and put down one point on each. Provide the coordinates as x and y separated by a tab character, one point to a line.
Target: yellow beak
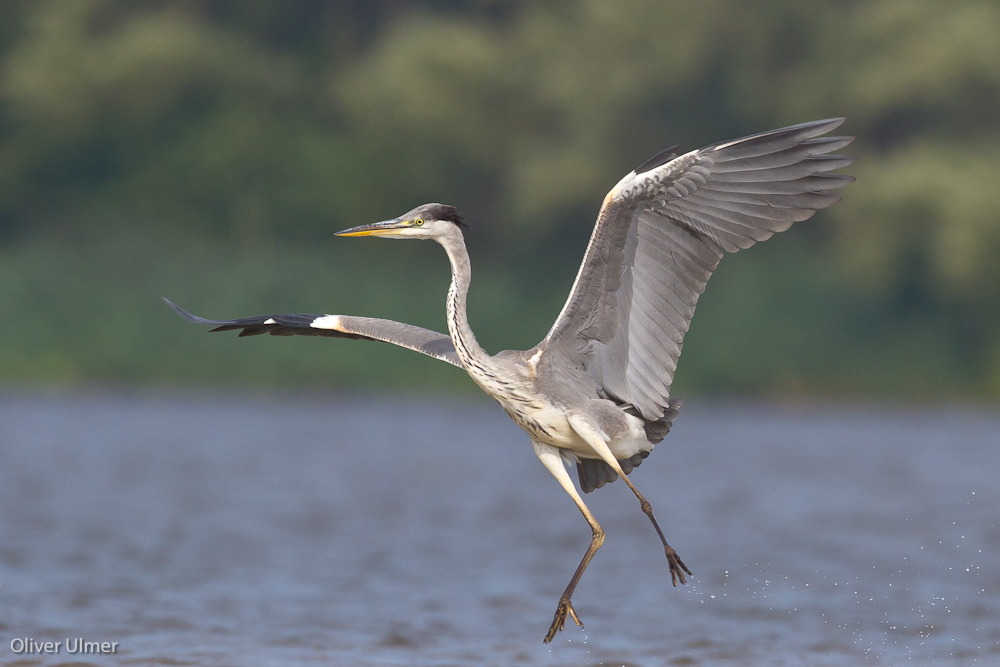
384	228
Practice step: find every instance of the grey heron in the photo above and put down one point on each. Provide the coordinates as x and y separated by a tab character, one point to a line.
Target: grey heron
596	391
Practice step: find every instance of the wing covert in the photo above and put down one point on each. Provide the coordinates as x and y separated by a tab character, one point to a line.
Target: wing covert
661	233
418	339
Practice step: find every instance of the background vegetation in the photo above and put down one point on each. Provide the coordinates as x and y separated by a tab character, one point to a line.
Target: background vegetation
208	149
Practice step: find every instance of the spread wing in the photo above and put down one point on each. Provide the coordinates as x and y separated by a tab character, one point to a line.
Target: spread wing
431	343
660	235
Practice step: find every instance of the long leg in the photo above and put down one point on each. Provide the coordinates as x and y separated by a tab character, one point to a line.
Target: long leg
551	459
595	438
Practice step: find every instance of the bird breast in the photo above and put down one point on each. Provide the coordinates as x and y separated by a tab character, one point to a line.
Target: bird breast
547	421
542	421
548	424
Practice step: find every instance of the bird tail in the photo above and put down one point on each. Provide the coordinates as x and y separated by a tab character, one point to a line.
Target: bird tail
595	473
657	430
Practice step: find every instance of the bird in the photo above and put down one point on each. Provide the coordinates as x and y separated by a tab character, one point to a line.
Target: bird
595	392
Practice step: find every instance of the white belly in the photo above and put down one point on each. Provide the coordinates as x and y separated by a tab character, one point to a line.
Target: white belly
548	424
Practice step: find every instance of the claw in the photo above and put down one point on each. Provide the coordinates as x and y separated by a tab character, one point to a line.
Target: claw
559	622
576	619
677	566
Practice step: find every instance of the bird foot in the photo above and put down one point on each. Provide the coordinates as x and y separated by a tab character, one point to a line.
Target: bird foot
677	566
559	622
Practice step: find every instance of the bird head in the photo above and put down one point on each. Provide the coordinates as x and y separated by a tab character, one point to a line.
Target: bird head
430	221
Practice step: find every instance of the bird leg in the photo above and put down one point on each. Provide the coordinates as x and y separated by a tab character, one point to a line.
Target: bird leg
677	566
593	436
551	459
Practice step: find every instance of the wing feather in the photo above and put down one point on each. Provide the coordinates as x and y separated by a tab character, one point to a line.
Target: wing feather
736	212
814	183
660	235
814	200
808	166
785	158
418	339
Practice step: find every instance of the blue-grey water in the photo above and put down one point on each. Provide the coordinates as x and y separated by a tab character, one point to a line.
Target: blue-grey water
285	530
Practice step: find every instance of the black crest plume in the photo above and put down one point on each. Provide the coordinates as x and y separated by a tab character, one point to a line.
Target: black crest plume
444	212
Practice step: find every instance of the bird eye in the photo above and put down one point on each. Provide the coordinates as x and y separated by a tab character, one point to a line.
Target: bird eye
418	222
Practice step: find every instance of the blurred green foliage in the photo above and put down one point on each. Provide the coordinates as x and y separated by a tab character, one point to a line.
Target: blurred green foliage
207	149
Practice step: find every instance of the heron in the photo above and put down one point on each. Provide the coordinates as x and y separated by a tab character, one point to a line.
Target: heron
595	392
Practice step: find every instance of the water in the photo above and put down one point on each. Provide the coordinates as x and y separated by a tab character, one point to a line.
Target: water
295	530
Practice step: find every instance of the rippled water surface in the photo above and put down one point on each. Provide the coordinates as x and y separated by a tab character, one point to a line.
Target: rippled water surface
295	530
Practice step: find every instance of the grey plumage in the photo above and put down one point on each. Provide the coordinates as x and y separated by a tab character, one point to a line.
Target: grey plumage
656	245
418	339
596	390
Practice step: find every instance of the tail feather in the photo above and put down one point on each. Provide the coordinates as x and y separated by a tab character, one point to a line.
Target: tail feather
595	473
657	430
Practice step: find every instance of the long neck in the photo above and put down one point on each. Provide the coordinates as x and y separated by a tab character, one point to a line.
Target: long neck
472	355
